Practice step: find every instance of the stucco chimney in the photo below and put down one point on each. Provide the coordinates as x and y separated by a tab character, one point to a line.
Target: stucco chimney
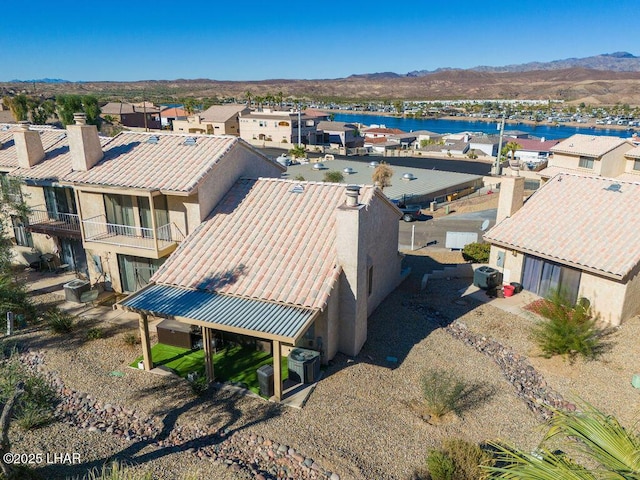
511	197
84	143
28	146
352	195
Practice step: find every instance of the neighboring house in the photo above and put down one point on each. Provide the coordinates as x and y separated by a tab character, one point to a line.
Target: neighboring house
217	120
339	134
281	127
169	115
136	115
405	140
130	199
289	263
632	167
380	145
426	136
597	155
577	234
381	132
455	147
485	144
532	151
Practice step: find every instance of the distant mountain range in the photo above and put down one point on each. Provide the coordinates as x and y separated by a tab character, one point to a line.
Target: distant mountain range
42	80
613	62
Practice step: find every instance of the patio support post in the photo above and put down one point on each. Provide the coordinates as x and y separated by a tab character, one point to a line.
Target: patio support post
143	323
277	371
208	358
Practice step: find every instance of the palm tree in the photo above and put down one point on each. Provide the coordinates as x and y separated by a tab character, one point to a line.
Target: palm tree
512	147
248	95
594	435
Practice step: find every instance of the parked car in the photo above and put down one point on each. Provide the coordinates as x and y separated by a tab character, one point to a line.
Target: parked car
409	212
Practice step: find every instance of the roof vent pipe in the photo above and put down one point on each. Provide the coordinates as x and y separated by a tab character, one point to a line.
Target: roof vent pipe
352	195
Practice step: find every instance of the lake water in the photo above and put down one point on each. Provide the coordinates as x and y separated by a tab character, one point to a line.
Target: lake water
548	131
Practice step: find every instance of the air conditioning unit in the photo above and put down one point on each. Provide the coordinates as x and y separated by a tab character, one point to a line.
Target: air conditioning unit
487	278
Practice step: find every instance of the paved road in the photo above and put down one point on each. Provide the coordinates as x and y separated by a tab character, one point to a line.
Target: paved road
445	164
431	233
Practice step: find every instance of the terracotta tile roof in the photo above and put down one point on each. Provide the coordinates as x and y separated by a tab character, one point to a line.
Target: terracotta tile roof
52	140
222	113
329	126
533	145
56	164
554	170
266	242
589	145
173	112
170	164
579	221
383	131
629	177
633	153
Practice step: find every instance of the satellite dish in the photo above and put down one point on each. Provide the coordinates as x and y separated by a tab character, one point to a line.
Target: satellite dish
484	225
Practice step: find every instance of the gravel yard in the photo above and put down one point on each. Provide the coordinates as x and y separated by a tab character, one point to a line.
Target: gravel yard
357	424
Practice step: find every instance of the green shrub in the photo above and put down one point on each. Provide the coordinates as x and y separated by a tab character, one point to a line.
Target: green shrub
569	330
441	466
59	321
117	471
443	392
131	339
333	176
467	457
476	252
35	407
199	385
94	333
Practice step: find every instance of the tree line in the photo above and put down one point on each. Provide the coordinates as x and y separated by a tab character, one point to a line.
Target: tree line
39	111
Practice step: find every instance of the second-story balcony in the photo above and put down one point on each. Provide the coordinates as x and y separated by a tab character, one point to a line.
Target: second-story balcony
132	239
45	221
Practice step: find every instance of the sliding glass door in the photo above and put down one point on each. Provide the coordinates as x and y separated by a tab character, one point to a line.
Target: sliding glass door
544	277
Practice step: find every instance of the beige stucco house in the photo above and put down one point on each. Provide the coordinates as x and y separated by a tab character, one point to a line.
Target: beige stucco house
576	233
289	263
598	155
124	204
216	120
280	128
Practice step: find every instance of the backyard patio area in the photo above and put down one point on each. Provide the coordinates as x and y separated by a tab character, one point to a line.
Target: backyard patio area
234	364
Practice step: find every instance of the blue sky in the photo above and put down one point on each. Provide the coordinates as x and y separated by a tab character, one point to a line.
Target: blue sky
142	40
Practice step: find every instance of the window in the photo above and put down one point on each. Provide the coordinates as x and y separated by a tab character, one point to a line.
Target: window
586	162
636	164
23	238
370	280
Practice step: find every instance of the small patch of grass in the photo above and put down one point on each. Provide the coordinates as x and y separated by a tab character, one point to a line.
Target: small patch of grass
234	364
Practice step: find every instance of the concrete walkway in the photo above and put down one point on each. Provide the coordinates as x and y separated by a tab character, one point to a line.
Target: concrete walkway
102	308
514	304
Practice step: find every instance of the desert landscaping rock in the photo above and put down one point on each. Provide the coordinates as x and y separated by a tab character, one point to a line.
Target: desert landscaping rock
357	424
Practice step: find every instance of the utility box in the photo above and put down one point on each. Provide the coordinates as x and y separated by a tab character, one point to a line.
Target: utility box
487	278
74	289
177	334
265	380
303	365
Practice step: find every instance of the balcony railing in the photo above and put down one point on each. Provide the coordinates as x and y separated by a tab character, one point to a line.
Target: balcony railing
47	220
97	229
